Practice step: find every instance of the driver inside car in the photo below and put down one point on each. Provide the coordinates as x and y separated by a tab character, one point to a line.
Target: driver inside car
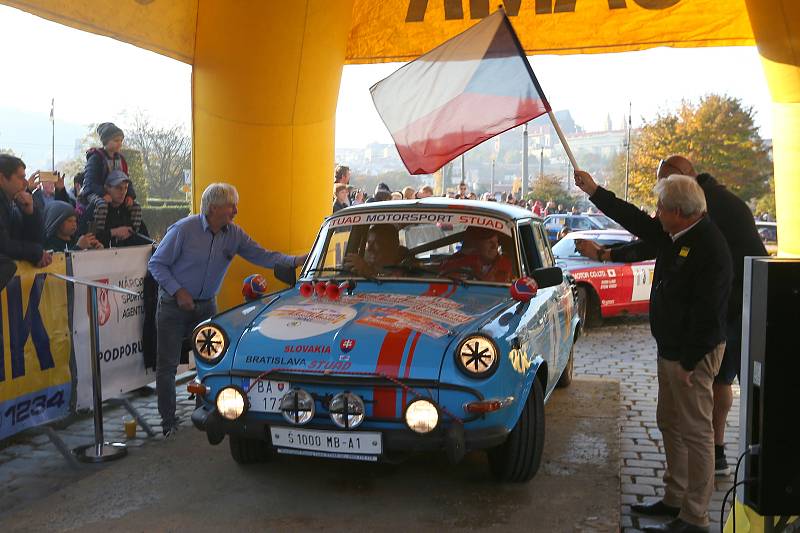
480	255
382	250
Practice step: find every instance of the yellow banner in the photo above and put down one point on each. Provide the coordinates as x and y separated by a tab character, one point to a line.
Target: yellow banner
35	376
401	30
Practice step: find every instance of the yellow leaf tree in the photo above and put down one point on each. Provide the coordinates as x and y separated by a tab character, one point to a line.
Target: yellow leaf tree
717	134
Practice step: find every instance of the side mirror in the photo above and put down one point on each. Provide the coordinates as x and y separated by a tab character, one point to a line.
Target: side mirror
284	274
548	277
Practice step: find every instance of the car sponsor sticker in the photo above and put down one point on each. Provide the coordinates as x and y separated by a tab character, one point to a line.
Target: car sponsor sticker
300	321
347	344
421	217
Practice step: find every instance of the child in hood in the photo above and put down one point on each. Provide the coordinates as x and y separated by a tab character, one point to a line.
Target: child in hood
61	229
99	163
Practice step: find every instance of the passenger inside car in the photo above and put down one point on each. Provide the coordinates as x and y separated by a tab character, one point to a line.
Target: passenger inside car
479	257
382	249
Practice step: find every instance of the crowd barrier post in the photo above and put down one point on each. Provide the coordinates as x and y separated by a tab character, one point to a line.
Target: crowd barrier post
100	451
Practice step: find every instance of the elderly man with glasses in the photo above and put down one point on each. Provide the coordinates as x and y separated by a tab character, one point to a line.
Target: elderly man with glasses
688	318
735	220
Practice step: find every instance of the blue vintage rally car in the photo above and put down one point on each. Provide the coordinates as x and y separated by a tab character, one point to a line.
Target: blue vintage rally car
415	325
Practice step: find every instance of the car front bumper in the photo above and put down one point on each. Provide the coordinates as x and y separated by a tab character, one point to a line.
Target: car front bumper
451	438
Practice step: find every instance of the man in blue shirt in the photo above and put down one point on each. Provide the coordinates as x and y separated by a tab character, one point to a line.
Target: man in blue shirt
189	266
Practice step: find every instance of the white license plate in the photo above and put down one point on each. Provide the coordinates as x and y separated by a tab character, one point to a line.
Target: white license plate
347	442
265	396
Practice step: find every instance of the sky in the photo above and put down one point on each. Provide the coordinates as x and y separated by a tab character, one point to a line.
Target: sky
95	79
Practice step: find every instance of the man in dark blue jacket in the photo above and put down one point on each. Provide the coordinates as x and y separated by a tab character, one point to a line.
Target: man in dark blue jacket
688	318
21	231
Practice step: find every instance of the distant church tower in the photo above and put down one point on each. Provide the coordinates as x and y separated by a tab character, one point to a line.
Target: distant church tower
609	127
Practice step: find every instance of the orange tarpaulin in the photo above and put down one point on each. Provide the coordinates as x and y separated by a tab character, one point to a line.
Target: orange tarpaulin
400	30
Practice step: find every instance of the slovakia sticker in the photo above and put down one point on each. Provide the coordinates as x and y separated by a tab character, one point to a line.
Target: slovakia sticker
290	322
347	344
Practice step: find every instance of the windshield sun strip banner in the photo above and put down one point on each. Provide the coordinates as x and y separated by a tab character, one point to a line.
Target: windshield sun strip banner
421	217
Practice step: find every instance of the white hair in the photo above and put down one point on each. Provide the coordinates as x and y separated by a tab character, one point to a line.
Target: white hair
218	194
681	193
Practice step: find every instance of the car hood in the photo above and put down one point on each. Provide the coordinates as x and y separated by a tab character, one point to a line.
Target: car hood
398	329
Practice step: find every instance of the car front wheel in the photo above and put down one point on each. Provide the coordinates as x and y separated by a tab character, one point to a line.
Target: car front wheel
247	451
517	460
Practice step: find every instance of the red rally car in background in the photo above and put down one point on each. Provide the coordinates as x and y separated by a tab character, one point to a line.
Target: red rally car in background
605	289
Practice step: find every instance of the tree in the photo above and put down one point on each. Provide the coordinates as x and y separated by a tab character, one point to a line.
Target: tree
548	187
165	153
718	135
766	203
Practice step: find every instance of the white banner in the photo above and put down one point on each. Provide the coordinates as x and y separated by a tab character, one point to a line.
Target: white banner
120	320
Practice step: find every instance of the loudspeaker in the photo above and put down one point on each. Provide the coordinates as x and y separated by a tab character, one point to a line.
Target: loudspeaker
770	385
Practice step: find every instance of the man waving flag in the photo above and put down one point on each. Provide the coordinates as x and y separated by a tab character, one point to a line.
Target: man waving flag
469	89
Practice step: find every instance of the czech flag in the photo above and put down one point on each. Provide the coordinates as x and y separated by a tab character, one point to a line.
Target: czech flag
463	92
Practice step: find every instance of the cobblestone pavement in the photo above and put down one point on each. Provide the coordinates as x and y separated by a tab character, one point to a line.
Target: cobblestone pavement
623	349
30	466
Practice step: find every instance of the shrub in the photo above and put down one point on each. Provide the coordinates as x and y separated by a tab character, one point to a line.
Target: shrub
158	219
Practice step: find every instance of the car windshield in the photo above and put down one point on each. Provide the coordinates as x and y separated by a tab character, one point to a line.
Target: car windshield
603	222
464	247
565	248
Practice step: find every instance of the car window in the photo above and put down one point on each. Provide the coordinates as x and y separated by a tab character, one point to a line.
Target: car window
416	244
530	250
554	222
603	222
543	245
580	223
768	233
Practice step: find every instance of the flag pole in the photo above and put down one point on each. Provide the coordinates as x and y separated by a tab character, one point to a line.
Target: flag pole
539	90
53	133
563	140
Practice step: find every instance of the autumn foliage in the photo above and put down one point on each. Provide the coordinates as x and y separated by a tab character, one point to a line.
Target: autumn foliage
717	134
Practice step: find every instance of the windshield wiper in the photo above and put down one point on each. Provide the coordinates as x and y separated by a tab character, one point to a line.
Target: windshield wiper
342	270
337	270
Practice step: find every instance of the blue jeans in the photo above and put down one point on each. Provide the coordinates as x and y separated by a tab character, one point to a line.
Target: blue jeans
173	324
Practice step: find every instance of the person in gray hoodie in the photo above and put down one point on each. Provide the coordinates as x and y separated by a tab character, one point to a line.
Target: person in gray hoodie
61	228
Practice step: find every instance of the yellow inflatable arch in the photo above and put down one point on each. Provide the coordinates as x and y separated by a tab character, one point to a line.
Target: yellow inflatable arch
266	76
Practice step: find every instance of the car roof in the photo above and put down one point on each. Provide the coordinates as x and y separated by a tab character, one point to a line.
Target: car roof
599	233
439	203
570	215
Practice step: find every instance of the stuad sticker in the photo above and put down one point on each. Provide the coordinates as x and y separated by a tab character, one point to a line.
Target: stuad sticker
291	322
421	217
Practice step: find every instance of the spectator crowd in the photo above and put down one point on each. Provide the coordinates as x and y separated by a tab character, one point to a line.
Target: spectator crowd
345	195
40	214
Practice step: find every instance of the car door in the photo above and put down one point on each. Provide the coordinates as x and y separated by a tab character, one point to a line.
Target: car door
562	308
543	339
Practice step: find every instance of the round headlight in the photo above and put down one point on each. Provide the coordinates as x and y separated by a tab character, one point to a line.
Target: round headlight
347	410
209	343
477	356
422	416
297	406
231	403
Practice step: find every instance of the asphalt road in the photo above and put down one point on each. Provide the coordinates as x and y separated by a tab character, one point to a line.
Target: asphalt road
187	485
